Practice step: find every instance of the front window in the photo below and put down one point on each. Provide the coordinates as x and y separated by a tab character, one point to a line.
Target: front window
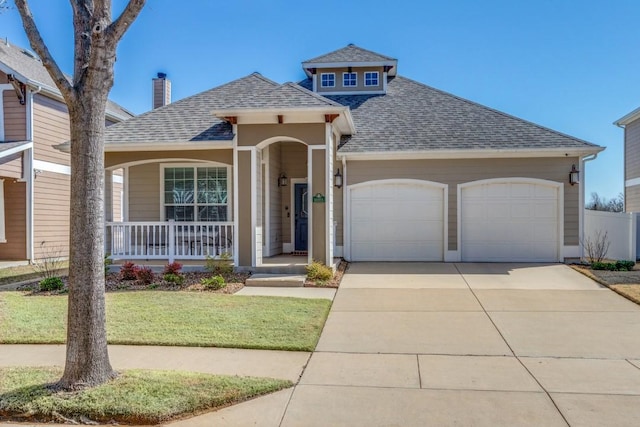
196	193
328	79
371	78
349	79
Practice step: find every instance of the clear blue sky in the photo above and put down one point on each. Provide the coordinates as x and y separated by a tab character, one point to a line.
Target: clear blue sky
566	64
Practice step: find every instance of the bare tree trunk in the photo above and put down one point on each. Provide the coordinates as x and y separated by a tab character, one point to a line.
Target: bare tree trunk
87	360
96	37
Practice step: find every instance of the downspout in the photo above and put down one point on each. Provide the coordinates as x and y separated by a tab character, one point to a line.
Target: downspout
581	199
29	173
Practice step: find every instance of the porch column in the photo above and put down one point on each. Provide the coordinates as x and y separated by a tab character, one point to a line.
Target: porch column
108	208
244	190
318	200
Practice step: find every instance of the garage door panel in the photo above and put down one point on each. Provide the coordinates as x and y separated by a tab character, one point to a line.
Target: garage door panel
512	222
397	222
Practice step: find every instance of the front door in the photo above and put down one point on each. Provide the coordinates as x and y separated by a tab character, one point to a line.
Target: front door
301	216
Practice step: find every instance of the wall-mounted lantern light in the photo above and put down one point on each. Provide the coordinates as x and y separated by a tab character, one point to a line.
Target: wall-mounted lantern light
283	181
574	175
337	179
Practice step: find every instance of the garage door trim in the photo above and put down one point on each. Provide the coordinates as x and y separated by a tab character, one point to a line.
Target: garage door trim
558	186
425	183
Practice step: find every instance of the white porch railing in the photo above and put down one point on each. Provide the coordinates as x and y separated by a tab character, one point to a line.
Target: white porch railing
169	240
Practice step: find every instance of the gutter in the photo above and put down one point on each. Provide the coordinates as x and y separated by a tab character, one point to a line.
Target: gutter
581	199
29	173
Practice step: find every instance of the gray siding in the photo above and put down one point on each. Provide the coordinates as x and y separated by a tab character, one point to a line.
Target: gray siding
632	199
632	150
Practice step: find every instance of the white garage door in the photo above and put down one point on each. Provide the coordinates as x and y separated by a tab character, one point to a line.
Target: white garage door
509	221
396	221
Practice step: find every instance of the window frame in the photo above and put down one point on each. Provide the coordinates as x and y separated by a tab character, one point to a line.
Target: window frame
355	80
322	79
195	204
377	74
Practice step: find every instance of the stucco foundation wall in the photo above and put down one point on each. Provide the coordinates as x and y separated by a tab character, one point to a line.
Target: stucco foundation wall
15	220
454	172
51	215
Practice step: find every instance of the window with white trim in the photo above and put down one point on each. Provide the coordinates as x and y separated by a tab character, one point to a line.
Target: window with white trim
371	78
328	79
196	193
349	79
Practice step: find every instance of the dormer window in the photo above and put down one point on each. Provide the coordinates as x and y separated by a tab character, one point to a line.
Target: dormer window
328	80
349	79
371	78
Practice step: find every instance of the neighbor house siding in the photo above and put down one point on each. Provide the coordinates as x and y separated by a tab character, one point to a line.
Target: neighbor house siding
51	127
15	117
51	214
632	150
15	207
11	166
454	172
632	165
144	192
632	198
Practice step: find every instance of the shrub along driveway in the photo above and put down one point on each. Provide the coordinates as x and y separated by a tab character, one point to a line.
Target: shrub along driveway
466	344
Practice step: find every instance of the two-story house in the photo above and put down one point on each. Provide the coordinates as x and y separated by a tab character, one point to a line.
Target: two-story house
34	176
631	125
353	161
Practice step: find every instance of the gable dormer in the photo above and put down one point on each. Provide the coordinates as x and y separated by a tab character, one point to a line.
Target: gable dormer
350	70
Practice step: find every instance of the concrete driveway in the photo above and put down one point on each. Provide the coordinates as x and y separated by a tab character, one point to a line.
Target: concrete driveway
419	344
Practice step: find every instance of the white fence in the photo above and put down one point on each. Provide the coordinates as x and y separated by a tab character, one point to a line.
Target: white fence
621	228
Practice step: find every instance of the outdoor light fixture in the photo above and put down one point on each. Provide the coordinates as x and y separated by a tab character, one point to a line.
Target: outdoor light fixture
574	175
283	181
337	179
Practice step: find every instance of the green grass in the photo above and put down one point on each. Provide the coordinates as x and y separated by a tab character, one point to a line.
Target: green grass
174	318
135	397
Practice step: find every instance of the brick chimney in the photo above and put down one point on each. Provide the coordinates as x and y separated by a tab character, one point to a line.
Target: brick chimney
161	91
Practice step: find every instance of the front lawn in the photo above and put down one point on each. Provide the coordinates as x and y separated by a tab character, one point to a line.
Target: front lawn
174	318
135	397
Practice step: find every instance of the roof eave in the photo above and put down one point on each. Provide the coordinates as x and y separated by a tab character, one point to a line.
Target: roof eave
391	63
469	154
157	146
632	116
17	149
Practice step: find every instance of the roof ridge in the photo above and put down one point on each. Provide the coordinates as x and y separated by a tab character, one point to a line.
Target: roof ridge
502	113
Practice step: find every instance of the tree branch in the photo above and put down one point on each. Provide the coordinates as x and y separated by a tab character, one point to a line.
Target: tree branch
39	46
120	26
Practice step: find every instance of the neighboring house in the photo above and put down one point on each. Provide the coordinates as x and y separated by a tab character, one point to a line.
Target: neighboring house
631	125
34	177
354	161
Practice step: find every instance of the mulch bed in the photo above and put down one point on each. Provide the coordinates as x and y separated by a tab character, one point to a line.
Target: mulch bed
624	283
335	282
191	282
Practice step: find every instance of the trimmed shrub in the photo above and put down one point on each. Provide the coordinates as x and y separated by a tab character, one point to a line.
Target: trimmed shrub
213	283
128	271
145	275
172	268
625	265
319	272
173	278
51	284
222	266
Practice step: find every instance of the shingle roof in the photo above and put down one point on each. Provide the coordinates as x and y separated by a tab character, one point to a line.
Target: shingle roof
25	63
415	117
190	119
288	95
350	53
